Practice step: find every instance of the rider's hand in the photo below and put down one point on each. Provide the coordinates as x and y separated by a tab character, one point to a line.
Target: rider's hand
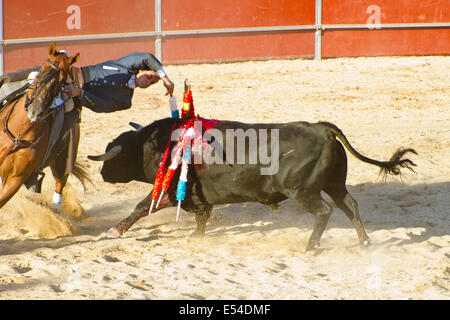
72	91
169	85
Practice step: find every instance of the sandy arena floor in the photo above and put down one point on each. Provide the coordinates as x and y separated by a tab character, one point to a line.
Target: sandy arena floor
249	252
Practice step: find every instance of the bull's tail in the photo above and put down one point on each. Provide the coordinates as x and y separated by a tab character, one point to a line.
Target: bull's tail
391	167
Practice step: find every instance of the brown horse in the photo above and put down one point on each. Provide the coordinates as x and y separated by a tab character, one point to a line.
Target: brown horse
26	124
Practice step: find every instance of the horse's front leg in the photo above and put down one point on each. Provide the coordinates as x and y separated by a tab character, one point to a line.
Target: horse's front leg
16	169
64	163
60	182
9	188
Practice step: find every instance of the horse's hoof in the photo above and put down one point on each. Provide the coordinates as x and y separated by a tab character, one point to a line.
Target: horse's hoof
56	208
114	232
34	188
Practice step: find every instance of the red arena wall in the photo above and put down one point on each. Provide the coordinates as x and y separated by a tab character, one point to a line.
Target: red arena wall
218	14
376	41
214	30
26	19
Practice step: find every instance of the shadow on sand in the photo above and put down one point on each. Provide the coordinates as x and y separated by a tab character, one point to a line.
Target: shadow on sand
382	206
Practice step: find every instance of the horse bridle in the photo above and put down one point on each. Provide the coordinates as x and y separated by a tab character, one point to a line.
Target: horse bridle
42	83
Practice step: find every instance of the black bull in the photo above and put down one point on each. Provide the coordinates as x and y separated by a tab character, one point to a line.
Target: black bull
311	160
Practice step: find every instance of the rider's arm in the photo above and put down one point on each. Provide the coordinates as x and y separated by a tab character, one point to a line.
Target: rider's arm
137	61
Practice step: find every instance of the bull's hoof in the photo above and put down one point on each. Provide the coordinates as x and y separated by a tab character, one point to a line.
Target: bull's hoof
198	234
114	232
314	252
313	249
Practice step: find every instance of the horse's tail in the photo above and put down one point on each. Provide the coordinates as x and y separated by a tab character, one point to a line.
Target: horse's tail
391	167
81	173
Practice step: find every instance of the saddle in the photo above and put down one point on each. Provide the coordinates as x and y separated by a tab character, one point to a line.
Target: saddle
14	84
11	91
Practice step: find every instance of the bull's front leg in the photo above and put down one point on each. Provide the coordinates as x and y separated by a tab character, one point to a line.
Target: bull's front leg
140	211
202	215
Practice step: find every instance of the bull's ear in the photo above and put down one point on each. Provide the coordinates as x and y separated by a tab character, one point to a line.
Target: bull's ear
74	59
52	49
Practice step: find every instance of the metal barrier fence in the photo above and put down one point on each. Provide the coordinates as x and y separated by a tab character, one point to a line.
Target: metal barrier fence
214	30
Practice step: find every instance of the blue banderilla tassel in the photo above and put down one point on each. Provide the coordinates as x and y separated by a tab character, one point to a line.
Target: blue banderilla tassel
181	190
173	107
181	187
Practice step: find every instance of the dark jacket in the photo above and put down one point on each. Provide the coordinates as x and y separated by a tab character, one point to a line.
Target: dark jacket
106	87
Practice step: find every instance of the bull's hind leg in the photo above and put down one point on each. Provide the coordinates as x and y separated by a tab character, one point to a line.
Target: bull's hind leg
346	203
336	189
315	204
350	208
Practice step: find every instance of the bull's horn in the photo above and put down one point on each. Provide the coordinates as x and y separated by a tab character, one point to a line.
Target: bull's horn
137	126
107	155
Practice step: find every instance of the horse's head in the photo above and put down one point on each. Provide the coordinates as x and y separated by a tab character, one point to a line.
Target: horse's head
48	83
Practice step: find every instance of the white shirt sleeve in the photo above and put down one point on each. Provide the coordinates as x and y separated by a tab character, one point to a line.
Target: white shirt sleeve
131	82
161	73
